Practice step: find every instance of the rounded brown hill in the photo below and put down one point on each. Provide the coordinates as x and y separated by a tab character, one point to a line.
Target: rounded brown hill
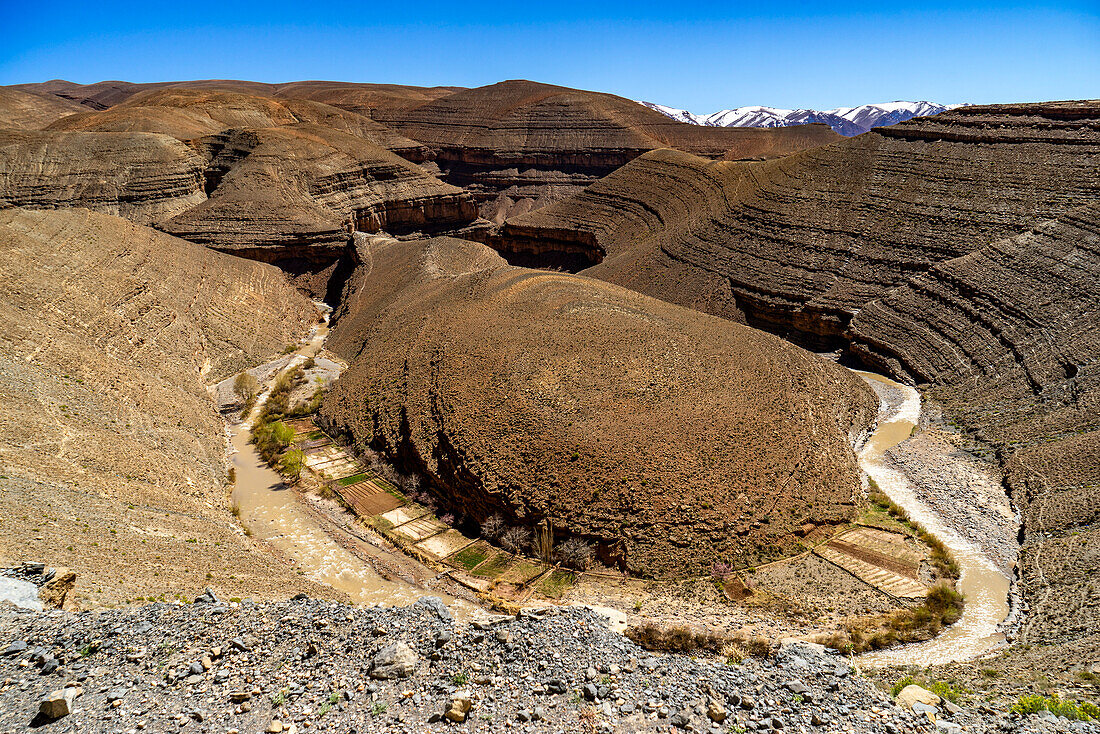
519	118
364	98
187	113
668	438
804	242
29	111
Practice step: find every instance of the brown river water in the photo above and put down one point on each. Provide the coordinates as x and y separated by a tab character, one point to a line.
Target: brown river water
986	588
273	512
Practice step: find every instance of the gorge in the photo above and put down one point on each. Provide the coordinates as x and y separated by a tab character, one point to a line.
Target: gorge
562	311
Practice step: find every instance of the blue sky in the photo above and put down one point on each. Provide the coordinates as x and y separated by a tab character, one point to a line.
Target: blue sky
702	56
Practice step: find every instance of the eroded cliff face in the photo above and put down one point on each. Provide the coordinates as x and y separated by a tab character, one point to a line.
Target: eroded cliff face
521	141
670	439
142	177
288	180
298	192
806	241
113	454
1008	337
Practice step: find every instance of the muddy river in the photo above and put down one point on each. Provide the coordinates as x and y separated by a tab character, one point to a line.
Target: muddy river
273	512
986	588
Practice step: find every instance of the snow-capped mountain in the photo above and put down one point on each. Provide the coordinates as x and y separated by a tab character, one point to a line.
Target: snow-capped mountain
675	114
847	121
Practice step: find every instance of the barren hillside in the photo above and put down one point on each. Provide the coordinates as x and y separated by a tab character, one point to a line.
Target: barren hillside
113	460
669	439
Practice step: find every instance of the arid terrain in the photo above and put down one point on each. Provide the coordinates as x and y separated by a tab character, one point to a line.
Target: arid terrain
535	395
563	331
114	455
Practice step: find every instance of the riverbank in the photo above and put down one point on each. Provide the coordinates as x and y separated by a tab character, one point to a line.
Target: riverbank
926	478
314	534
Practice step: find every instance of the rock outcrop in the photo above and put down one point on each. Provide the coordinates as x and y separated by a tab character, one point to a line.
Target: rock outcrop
1009	338
296	193
113	454
523	140
139	176
804	242
668	439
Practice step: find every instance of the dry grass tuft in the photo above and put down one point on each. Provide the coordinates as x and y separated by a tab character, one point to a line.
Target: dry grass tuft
680	638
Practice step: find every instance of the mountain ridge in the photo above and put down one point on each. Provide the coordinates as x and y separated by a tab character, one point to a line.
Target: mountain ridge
847	121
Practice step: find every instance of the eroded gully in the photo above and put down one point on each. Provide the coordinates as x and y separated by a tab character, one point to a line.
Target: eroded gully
986	588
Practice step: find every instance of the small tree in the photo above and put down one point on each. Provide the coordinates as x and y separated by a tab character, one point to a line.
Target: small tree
574	553
291	464
492	527
515	539
245	386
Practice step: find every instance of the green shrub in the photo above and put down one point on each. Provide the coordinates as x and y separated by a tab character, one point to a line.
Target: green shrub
1072	710
942	689
271	439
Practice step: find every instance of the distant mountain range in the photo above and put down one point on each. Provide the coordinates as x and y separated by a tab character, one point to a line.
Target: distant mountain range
847	121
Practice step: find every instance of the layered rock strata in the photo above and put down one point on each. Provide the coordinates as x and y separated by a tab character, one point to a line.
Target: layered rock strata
139	176
113	454
668	439
804	242
297	193
288	180
1009	337
516	138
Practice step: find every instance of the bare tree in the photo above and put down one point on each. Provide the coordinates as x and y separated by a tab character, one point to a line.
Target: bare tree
515	539
575	553
492	527
245	386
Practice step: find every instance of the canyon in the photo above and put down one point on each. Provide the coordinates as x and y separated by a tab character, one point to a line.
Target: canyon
556	306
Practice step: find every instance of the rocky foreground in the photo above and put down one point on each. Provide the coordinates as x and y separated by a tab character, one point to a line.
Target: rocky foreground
323	666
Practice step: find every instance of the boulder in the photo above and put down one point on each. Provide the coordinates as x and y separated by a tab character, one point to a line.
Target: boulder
58	703
393	661
458	706
913	693
435	605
